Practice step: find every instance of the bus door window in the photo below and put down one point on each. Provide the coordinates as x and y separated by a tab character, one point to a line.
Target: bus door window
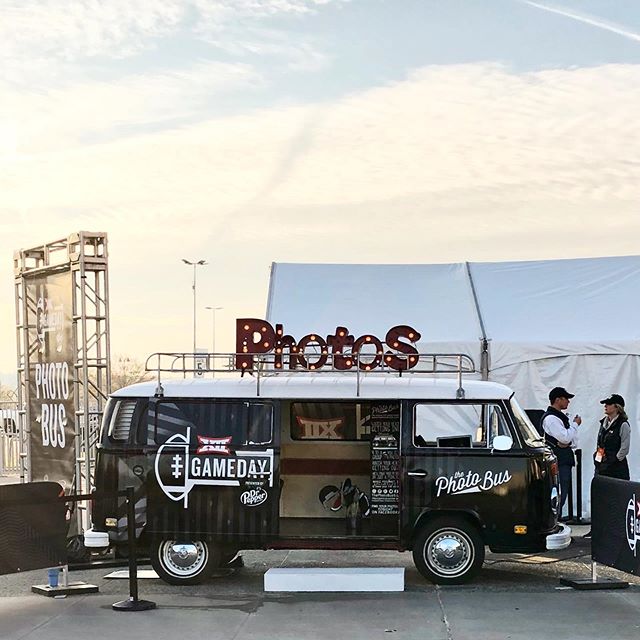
459	425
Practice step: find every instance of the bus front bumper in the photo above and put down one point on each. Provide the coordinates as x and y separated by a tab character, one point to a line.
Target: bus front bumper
96	539
561	539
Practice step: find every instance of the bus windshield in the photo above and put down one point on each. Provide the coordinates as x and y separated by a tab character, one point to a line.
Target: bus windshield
528	431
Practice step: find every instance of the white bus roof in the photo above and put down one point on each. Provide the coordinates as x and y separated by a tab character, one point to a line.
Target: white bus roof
321	386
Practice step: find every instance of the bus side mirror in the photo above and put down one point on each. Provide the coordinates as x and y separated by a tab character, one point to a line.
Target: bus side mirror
502	443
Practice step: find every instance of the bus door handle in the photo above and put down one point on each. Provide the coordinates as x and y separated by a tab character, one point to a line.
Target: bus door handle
418	473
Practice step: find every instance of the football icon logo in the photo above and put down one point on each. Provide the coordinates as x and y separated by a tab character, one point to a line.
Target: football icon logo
633	524
172	461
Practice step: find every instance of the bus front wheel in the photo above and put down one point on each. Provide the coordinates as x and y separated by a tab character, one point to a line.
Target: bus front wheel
448	550
183	562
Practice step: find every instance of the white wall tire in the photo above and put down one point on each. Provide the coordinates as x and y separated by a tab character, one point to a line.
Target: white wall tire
183	562
448	550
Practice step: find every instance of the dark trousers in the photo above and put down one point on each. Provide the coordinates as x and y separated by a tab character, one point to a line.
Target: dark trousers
565	484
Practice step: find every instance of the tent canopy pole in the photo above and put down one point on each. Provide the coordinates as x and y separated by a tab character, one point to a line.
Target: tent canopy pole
484	349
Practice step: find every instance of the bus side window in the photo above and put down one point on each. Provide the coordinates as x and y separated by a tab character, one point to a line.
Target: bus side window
458	425
259	428
446	424
240	422
106	420
165	418
143	430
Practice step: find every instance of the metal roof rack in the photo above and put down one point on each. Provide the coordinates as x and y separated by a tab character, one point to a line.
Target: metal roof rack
269	365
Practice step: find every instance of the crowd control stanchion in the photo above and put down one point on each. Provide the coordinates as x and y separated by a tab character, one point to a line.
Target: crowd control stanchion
570	498
576	518
579	485
133	603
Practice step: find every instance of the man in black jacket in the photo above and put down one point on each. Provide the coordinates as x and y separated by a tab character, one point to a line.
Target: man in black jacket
561	436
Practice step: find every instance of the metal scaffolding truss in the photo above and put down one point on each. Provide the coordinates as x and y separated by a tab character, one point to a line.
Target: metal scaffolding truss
85	255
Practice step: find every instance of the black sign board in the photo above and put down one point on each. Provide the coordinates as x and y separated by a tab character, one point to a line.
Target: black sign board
385	459
33	529
615	523
51	405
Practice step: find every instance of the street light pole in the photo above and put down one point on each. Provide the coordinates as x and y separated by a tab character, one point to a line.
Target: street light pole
194	264
213	332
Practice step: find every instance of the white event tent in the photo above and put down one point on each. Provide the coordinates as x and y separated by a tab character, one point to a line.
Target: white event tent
571	323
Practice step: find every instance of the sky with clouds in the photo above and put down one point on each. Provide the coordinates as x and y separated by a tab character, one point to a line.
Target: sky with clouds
250	131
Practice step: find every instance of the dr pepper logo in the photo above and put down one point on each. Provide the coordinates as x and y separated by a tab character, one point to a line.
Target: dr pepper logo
633	523
340	350
254	497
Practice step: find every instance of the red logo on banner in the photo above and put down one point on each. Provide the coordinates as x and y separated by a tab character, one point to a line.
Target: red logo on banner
214	445
310	429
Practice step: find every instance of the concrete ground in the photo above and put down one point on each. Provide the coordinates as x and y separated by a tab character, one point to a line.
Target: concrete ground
513	597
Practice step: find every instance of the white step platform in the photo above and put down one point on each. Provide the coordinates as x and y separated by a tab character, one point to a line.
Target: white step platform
123	574
338	579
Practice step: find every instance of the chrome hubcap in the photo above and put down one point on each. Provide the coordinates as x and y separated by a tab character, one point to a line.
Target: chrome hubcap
449	552
183	558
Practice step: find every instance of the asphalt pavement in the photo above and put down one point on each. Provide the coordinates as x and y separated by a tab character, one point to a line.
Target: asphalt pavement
514	596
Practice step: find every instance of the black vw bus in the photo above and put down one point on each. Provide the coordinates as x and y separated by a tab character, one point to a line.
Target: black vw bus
317	461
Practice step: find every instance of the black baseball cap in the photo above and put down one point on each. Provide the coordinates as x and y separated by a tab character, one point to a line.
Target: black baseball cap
614	398
559	392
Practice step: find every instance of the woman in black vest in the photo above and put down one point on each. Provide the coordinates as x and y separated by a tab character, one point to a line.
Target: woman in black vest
614	439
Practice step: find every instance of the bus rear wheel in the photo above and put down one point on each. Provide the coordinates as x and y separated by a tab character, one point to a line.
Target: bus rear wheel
183	562
448	550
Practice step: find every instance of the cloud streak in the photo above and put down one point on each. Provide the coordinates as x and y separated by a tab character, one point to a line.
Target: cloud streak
36	33
72	29
86	112
586	19
442	132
